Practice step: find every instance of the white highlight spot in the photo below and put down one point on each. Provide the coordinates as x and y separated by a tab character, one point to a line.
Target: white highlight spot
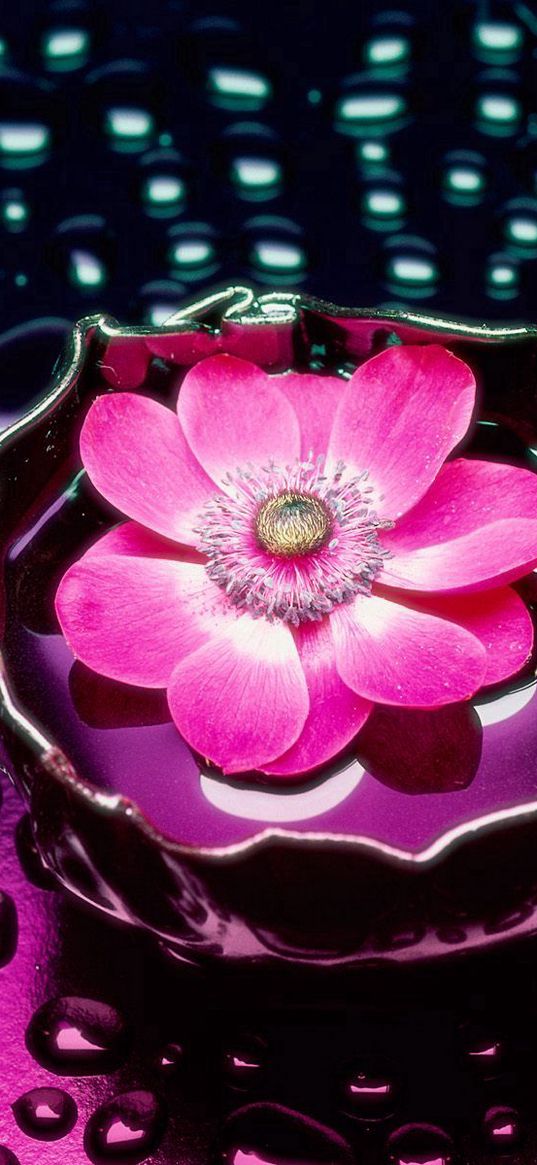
272	808
506	706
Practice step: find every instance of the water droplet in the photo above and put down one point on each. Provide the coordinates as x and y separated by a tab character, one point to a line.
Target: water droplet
278	256
483	1049
245	1060
164	194
86	270
129	1126
497	42
170	1057
65	48
498	114
193	253
256	177
76	1035
238	89
369	1092
383	207
14	210
464	178
501	1126
21	141
387	50
520	227
502	277
7	1157
45	1113
412	271
8	929
362	110
263	1133
420	1145
129	128
452	935
508	919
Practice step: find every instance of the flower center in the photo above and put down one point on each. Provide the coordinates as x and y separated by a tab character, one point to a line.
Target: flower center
292	542
292	524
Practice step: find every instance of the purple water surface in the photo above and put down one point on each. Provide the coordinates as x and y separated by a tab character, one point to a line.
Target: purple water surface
153	766
122	739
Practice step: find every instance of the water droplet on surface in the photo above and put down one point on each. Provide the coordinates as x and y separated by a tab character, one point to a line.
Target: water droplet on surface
452	935
86	270
45	1113
129	128
245	1060
76	1035
65	48
369	1092
484	1050
387	50
129	1127
420	1145
7	1157
497	42
8	928
497	113
193	251
23	142
464	178
164	194
170	1057
14	210
502	277
238	89
256	177
361	110
412	271
268	1134
501	1126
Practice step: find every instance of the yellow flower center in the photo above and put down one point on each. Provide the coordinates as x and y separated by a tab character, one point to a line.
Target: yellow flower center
292	524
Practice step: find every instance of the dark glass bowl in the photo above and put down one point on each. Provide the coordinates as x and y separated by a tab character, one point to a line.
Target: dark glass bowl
419	842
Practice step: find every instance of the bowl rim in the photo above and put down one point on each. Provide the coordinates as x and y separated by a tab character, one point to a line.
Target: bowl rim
240	305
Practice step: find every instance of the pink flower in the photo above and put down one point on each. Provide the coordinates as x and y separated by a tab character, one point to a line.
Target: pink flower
298	551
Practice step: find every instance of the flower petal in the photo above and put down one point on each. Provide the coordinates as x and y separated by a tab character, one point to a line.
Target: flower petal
136	541
315	400
474	528
499	618
242	699
394	655
336	713
422	750
401	414
137	457
133	619
233	415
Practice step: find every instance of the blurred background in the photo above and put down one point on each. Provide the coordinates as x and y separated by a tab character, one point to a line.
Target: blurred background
367	154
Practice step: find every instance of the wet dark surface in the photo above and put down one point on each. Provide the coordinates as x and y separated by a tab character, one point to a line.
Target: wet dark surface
238	160
370	1067
134	1057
